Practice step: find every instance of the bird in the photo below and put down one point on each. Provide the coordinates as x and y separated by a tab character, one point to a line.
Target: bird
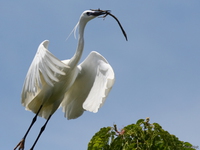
51	83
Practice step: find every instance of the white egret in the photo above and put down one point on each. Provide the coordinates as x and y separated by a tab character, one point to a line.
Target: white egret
51	83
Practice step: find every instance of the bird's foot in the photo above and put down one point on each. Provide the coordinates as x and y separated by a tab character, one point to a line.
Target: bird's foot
20	145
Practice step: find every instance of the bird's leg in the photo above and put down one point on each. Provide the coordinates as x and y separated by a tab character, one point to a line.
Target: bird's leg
41	130
21	143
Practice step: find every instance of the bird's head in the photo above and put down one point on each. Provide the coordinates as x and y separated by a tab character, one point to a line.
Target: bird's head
91	14
87	16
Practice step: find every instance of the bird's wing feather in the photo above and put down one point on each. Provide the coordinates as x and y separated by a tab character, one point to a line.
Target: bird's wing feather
91	87
44	69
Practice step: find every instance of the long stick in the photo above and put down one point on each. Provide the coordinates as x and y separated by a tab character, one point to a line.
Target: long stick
107	12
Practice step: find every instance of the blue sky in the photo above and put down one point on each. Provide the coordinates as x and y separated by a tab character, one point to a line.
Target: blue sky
157	70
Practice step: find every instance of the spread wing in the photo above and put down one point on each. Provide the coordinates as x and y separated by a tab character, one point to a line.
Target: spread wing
91	87
44	69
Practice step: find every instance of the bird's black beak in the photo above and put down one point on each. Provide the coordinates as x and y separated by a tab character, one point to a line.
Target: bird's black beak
98	12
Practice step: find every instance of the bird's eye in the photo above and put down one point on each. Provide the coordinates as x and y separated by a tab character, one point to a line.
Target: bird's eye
88	13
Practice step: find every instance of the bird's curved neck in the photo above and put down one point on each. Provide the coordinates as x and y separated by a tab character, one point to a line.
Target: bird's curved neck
75	59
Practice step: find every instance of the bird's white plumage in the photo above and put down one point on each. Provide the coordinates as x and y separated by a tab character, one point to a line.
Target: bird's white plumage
51	82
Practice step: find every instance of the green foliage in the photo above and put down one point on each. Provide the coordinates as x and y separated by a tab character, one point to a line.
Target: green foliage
139	136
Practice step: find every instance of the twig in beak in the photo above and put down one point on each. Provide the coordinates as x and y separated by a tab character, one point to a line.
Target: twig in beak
107	12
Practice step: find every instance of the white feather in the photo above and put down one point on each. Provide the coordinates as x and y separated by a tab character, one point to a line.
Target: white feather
45	69
91	87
